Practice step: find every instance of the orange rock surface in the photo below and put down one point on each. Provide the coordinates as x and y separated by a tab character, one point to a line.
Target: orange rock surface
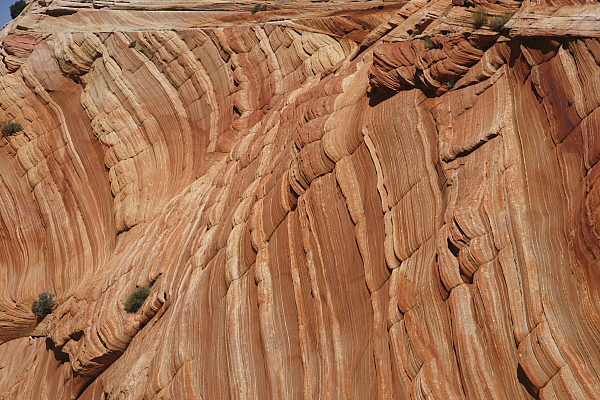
329	200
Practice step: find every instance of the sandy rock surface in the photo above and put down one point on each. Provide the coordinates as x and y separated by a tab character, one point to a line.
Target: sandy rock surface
329	200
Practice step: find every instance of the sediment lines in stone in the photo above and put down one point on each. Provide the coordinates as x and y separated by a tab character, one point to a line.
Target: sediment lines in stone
318	212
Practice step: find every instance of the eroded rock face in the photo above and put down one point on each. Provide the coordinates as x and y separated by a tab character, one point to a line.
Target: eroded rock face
329	200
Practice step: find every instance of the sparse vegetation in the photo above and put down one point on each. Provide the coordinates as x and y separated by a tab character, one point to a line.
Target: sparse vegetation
497	22
43	305
17	8
479	17
258	8
449	84
136	298
10	128
429	44
133	44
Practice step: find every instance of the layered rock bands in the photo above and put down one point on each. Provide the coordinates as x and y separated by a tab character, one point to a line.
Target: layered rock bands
336	200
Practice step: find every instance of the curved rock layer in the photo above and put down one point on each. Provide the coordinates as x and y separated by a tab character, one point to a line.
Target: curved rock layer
329	200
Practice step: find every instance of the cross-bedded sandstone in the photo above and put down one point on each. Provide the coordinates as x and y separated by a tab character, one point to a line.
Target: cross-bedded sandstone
329	200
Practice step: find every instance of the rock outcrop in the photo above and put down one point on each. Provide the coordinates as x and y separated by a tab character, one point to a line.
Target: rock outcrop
329	200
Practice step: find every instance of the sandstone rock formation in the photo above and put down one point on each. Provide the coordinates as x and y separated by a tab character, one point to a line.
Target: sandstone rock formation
330	200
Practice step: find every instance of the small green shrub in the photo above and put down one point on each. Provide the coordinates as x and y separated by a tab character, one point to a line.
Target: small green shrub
259	7
429	44
43	305
17	8
497	22
133	44
10	128
479	17
449	84
136	298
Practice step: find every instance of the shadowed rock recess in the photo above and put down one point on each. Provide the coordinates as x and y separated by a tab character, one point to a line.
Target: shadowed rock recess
329	200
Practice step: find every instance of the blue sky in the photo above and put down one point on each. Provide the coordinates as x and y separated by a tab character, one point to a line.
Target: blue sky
5	11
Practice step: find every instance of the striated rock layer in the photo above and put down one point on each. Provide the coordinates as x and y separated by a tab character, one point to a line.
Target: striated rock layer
366	200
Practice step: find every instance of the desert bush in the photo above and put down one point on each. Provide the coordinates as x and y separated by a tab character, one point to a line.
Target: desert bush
497	22
43	305
136	298
479	17
10	128
17	8
133	44
259	7
449	84
429	44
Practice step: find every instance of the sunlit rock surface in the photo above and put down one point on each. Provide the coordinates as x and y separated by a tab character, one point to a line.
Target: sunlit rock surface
330	200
